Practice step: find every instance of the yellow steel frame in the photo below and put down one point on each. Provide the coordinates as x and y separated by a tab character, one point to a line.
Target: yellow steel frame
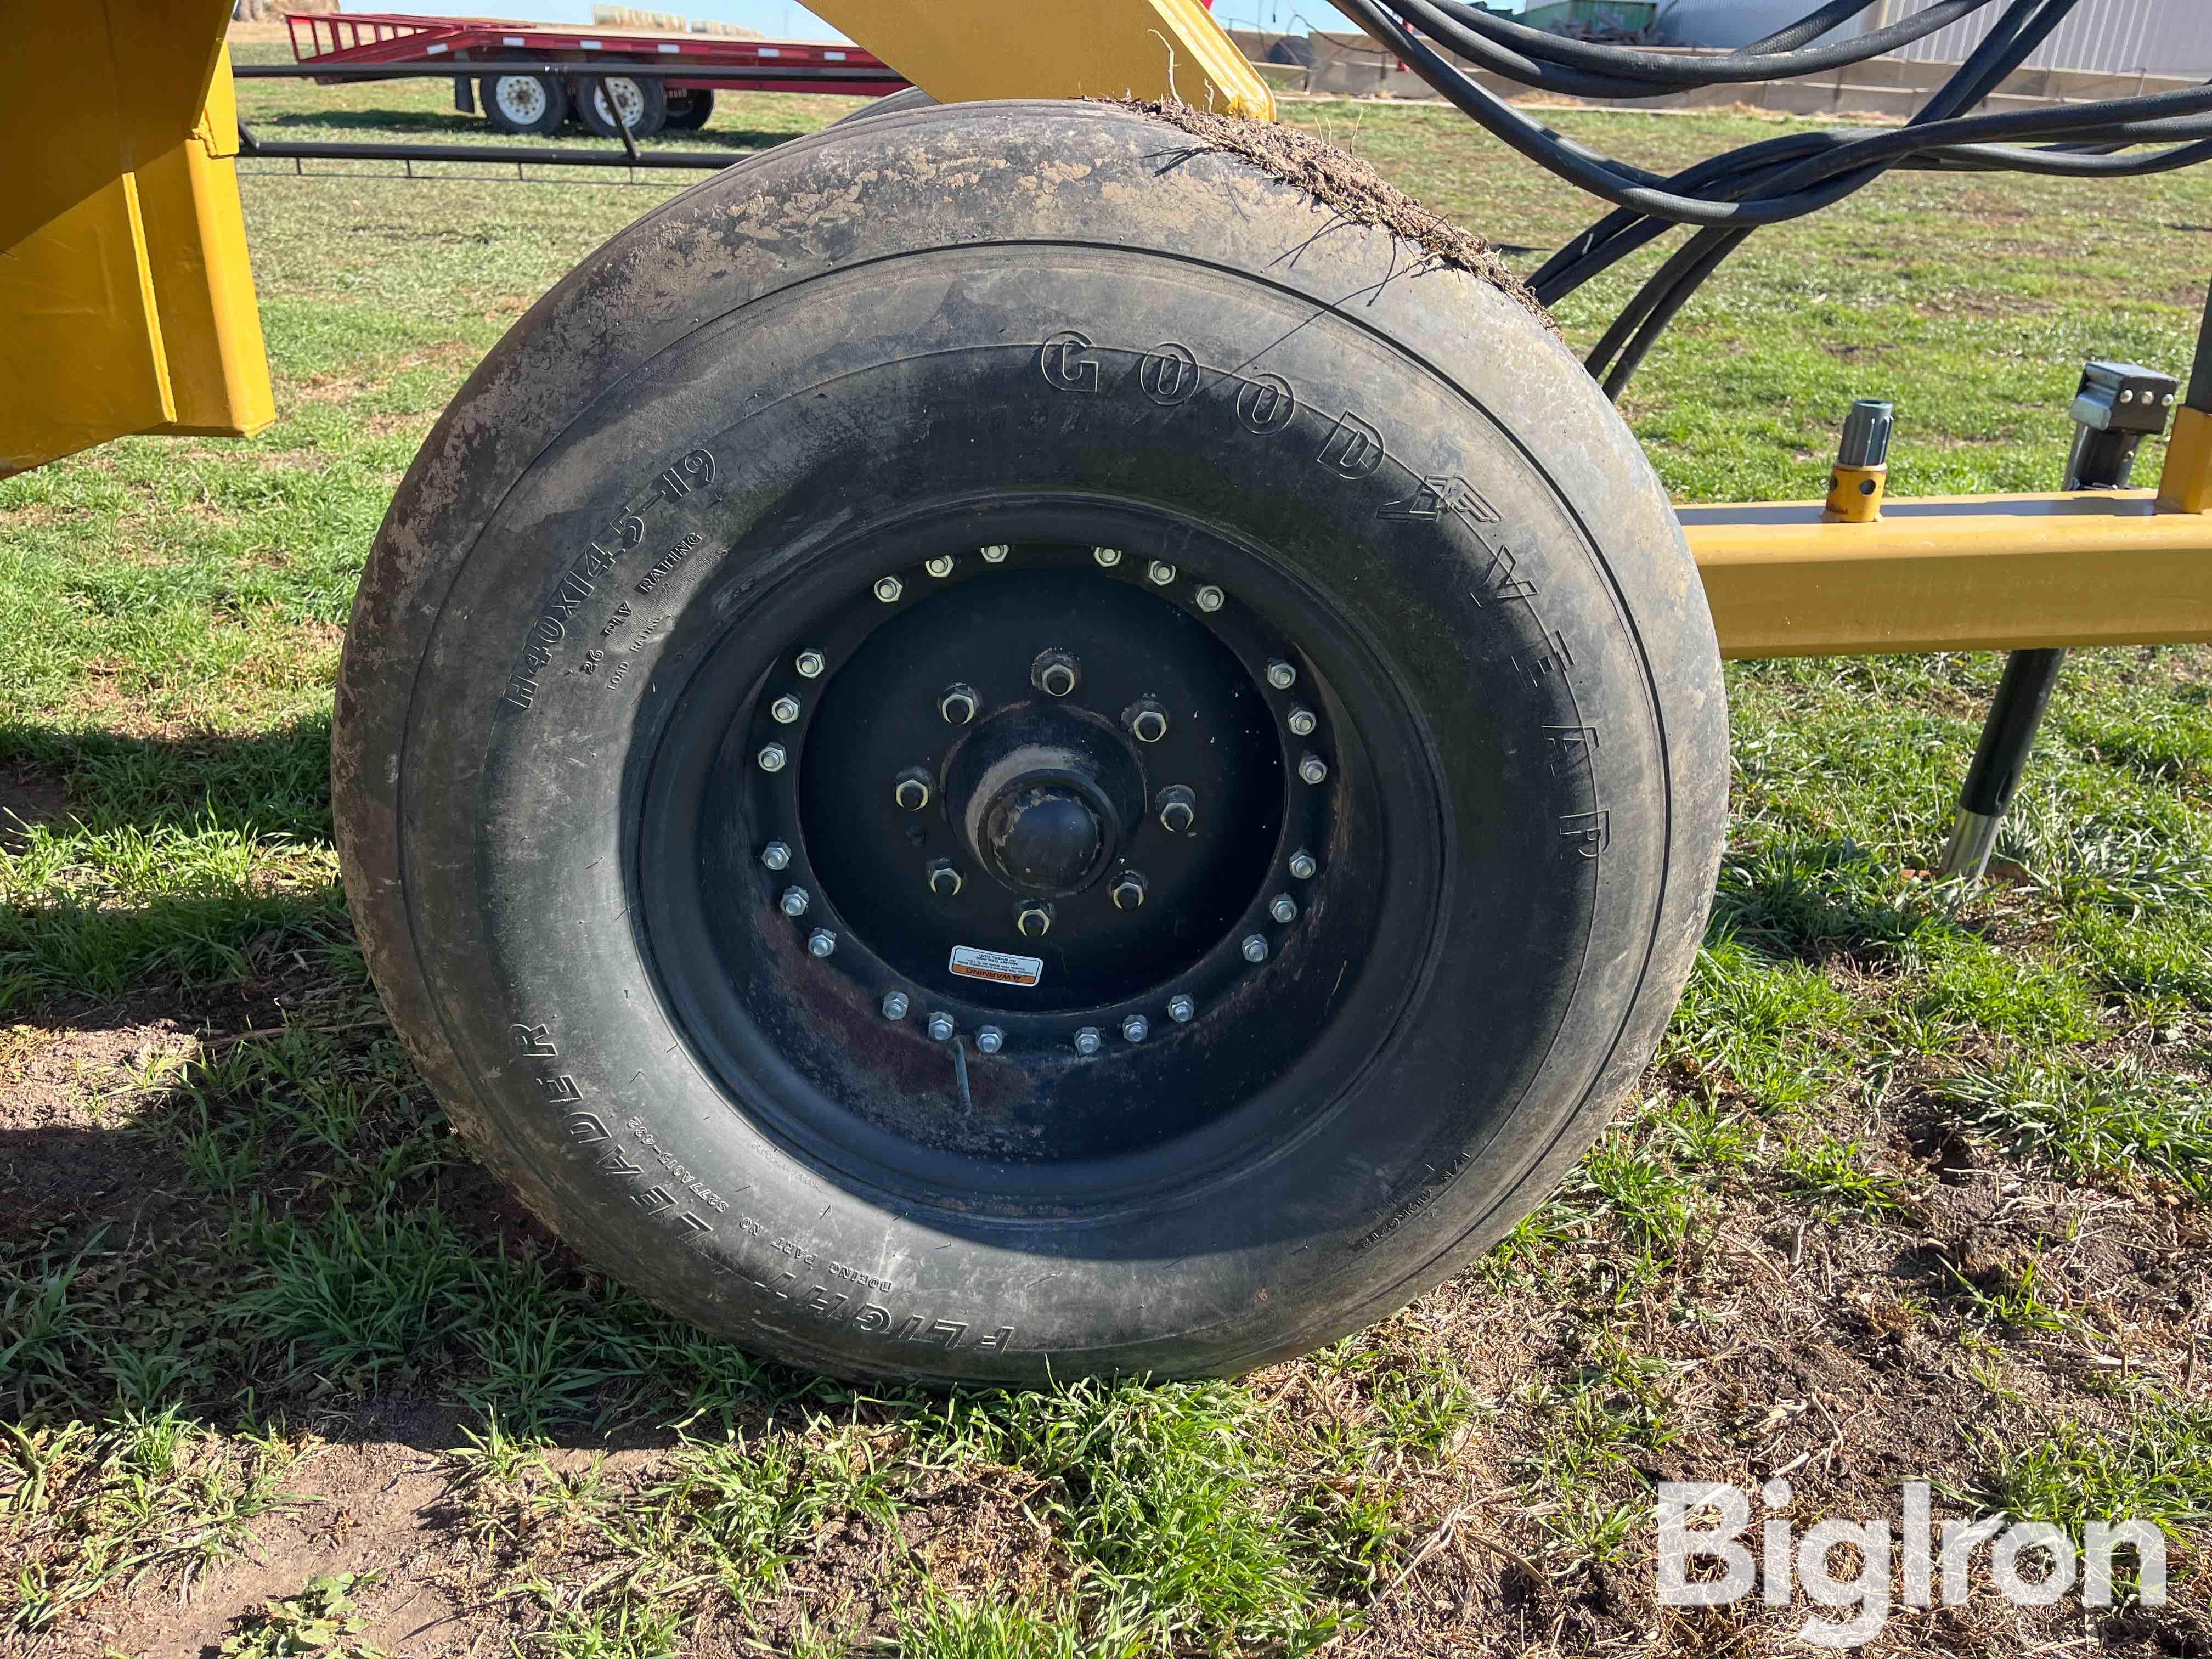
130	307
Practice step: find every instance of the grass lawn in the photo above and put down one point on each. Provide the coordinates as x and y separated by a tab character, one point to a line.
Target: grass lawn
1911	1191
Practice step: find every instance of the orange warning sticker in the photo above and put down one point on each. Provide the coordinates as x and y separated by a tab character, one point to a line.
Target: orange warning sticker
970	962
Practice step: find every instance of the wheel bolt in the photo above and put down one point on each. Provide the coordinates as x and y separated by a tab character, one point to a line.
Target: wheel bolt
772	758
1209	598
1181	1010
888	588
912	792
1035	921
1148	721
1255	947
784	709
895	1005
1178	809
1054	673
1161	573
1108	557
1303	865
945	878
990	1039
1128	890
940	1027
821	942
1086	1040
996	553
1302	722
1281	675
776	855
810	664
794	900
939	566
1313	768
1136	1029
1283	907
958	704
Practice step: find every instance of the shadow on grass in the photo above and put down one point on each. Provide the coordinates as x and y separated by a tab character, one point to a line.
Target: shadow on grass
272	783
387	124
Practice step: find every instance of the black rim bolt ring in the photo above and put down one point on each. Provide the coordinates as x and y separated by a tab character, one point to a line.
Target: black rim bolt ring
772	758
1136	1029
1178	809
945	878
990	1039
1181	1010
810	664
996	553
1302	722
912	791
1128	890
1035	921
1086	1040
776	855
958	704
1055	673
1210	598
1284	908
940	565
1281	675
1254	947
940	1027
794	900
785	710
1303	865
887	589
1313	768
821	942
895	1005
1160	573
1108	557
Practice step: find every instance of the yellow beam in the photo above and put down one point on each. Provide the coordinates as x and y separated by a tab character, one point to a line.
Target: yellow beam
1978	573
962	51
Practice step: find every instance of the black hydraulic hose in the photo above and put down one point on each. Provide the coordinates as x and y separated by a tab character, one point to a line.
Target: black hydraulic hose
1811	27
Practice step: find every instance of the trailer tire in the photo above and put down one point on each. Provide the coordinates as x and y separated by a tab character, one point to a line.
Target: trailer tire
690	111
891	103
644	97
940	442
524	104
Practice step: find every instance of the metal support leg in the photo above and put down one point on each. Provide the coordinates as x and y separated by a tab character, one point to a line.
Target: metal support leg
2119	405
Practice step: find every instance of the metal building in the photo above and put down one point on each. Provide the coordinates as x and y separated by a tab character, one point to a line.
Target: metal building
2103	37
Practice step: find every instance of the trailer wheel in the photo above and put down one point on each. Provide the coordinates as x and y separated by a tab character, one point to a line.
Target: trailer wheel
643	103
1104	769
533	104
690	111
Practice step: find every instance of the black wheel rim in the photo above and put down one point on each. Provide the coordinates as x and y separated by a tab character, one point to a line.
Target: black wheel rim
866	789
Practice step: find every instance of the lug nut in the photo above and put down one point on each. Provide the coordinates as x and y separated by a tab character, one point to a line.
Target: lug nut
1160	573
1128	890
1108	557
1181	1010
1086	1040
1302	722
1255	947
1178	809
912	792
1281	675
939	566
996	553
945	878
821	942
1283	907
958	704
1148	721
1054	673
1209	598
1136	1029
888	588
940	1027
1035	921
1313	768
776	855
810	664
784	709
794	900
772	758
990	1039
895	1005
1303	865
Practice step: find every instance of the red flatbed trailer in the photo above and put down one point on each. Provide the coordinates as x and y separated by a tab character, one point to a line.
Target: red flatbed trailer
725	62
